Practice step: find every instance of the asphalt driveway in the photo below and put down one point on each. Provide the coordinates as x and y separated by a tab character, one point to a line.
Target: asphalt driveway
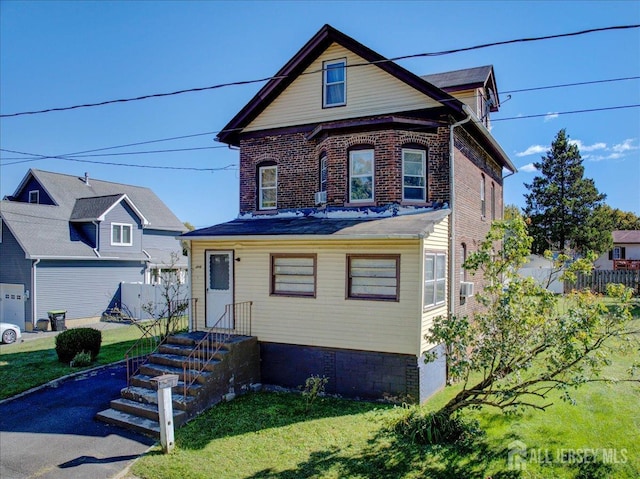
51	433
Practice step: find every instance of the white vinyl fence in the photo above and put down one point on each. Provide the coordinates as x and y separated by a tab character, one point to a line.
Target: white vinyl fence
135	296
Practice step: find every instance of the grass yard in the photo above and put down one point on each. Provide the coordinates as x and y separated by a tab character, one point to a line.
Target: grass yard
268	435
35	362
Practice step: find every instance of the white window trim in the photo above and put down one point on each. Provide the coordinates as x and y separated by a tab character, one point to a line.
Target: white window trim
324	173
37	201
326	84
423	154
122	226
617	252
261	188
372	175
426	306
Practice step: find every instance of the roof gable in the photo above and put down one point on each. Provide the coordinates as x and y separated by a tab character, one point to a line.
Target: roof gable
66	190
626	236
306	56
96	208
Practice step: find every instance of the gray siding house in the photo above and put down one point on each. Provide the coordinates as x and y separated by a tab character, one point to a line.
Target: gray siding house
67	242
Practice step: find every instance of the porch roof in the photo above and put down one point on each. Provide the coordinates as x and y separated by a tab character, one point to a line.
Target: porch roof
409	226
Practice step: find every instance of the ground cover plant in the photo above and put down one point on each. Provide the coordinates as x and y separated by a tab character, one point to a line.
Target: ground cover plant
271	436
35	362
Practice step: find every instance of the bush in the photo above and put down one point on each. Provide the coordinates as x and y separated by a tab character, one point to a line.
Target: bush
423	427
74	341
81	360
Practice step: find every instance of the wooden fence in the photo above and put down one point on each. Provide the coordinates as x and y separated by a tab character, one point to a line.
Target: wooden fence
597	281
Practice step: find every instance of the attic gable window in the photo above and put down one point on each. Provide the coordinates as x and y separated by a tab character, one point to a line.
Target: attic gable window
121	234
334	83
34	196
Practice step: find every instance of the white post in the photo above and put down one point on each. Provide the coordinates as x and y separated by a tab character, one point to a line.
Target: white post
164	384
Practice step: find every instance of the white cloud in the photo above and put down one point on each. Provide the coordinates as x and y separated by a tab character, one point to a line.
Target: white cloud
550	116
582	147
528	168
533	150
612	156
624	146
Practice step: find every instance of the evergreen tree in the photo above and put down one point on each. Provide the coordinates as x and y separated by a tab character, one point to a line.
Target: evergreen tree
561	202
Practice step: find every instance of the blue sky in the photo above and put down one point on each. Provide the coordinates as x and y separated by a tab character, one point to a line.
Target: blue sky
56	54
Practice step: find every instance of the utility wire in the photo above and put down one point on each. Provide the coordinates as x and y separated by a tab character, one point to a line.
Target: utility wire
589	110
261	80
569	84
43	157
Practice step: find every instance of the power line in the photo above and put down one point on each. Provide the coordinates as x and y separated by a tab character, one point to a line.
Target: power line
589	110
261	80
65	158
563	85
43	157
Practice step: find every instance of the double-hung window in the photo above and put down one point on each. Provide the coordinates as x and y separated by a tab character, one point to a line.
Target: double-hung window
268	187
483	199
434	279
324	172
493	201
293	274
334	83
414	177
121	234
375	277
361	176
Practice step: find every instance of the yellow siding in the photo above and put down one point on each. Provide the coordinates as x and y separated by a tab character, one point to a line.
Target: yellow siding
370	91
328	320
470	98
437	241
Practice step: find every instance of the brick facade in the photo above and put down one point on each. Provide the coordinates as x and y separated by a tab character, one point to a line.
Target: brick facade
298	161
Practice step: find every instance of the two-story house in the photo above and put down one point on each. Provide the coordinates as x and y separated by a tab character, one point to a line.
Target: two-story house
67	243
362	188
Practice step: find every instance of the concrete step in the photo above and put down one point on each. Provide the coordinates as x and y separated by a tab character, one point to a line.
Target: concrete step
125	420
149	411
177	361
149	396
154	369
144	381
185	350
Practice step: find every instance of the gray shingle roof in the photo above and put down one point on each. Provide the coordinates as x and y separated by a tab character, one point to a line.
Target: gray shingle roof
89	209
408	225
457	78
66	189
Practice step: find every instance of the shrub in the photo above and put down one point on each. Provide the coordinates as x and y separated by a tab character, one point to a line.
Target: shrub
313	387
424	427
74	341
82	359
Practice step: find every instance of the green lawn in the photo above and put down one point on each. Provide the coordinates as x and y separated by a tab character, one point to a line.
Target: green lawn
268	435
32	363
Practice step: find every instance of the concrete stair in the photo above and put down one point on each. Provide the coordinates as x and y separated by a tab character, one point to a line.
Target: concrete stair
234	369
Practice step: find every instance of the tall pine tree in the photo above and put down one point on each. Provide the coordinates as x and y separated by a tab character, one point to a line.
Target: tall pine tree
561	202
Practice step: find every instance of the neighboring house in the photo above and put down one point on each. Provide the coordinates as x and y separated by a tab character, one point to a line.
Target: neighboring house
625	254
355	217
67	243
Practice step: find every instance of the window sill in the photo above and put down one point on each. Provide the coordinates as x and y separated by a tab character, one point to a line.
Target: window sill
415	203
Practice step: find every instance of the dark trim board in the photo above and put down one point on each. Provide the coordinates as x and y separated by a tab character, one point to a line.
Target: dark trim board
351	373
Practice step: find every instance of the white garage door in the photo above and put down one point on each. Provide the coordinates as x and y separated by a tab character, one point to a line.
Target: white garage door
12	302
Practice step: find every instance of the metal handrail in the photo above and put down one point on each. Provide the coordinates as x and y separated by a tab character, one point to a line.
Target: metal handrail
150	341
238	317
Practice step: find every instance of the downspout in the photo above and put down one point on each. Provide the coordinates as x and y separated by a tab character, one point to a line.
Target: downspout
192	304
97	225
452	216
34	296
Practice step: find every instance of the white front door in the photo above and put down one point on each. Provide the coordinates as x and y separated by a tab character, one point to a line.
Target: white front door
219	289
12	302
